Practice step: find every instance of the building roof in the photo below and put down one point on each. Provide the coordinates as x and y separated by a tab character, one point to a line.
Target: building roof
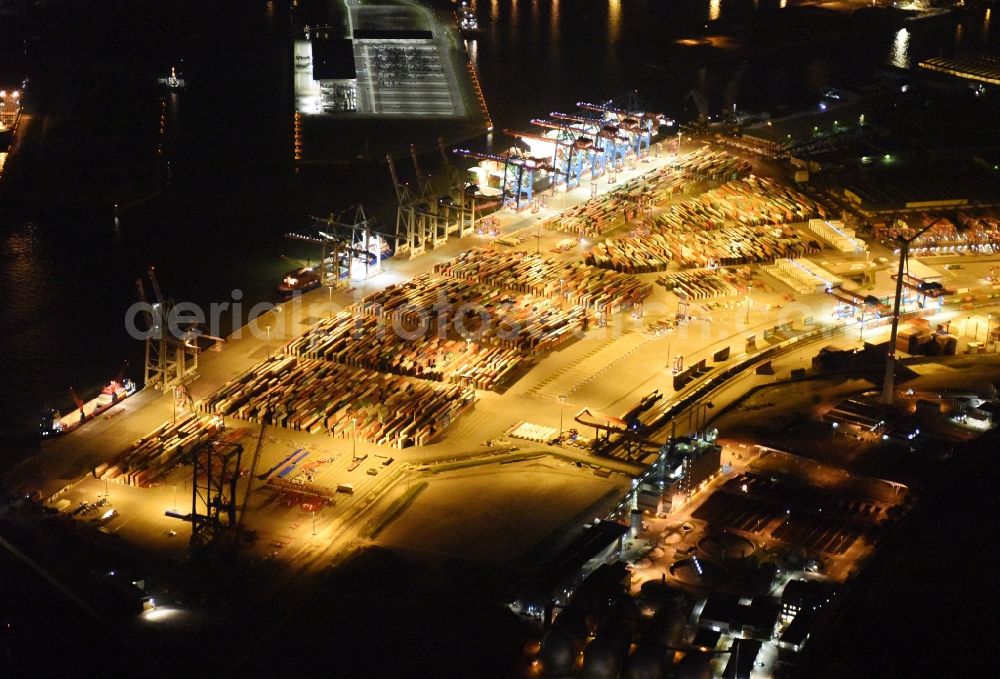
333	59
742	656
800	592
858	413
563	565
602	587
706	638
926	189
798	630
982	68
991	407
759	613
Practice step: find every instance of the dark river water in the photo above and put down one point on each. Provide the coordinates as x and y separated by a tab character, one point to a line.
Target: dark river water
208	201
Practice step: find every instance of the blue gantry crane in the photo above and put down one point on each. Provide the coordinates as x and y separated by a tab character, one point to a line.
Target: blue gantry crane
518	174
635	125
567	155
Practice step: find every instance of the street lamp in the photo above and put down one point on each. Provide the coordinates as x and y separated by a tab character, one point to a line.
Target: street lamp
562	401
747	320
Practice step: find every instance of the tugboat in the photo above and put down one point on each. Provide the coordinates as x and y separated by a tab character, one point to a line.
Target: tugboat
468	26
173	81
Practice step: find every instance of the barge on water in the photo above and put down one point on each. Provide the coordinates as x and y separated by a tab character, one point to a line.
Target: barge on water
52	423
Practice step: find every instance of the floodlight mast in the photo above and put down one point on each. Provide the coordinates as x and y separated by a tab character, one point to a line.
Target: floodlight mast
888	385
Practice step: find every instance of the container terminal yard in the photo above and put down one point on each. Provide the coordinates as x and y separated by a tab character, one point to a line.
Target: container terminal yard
678	399
587	327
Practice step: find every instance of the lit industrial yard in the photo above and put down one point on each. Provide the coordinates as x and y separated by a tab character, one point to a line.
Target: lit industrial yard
632	398
552	440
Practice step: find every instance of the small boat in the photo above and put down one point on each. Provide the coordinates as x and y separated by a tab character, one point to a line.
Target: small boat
300	280
173	81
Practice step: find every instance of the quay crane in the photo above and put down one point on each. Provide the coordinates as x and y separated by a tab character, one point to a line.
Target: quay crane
586	147
169	359
615	140
458	192
417	219
423	180
562	154
637	124
338	248
610	146
518	175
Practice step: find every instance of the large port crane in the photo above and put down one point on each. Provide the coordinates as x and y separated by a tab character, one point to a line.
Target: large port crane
343	238
417	221
564	149
637	124
518	175
169	359
461	199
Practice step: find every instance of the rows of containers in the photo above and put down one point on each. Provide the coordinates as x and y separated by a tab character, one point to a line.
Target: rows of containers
613	209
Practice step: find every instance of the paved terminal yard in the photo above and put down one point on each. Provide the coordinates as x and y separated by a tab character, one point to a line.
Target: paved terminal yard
608	368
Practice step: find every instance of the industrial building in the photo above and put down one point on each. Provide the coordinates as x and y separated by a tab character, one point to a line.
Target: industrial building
856	417
802	604
683	466
391	60
749	617
599	543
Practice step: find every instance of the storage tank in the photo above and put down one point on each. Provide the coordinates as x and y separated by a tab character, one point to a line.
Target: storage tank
648	662
558	652
601	660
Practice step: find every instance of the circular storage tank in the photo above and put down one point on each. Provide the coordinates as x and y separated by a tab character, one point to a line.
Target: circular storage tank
601	660
648	662
558	652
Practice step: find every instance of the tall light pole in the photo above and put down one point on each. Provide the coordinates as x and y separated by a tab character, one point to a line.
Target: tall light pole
888	385
562	401
746	321
354	437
